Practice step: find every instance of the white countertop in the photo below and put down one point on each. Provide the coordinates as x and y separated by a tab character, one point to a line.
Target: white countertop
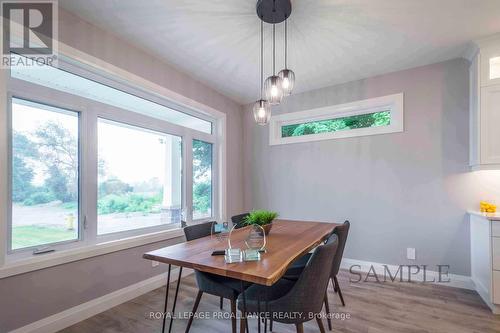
489	216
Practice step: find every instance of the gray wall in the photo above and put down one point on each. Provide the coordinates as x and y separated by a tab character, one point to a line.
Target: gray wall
400	190
32	296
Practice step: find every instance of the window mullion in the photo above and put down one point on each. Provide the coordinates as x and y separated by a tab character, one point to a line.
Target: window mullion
215	182
89	176
220	169
188	179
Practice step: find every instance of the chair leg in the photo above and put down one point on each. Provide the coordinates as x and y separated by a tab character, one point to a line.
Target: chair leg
243	322
233	315
340	291
221	303
195	307
270	324
300	328
334	286
327	309
320	324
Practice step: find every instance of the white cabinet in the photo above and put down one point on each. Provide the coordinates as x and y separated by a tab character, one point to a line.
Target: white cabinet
484	76
485	257
496	291
490	61
490	124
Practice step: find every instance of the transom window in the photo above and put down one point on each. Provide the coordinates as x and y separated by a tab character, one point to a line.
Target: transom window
66	81
90	162
379	115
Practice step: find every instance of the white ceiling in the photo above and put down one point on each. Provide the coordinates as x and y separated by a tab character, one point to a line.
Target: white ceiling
330	41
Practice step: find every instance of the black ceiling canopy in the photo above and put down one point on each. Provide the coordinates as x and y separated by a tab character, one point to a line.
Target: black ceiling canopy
274	11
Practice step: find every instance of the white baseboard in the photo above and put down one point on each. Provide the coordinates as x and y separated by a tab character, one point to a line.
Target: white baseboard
456	281
485	295
86	310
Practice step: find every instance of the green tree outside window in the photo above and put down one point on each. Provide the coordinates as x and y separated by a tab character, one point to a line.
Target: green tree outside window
375	119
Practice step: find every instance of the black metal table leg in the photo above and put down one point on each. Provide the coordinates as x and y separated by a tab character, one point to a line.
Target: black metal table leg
267	315
244	305
166	300
258	315
175	300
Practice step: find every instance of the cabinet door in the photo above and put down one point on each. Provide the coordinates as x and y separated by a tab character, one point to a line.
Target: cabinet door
490	125
490	65
495	297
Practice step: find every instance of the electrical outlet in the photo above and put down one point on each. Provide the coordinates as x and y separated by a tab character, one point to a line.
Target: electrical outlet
154	263
410	253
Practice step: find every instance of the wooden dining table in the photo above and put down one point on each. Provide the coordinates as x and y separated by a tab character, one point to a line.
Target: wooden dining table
287	241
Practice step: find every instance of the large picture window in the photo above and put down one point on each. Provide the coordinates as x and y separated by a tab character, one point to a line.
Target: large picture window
45	173
94	162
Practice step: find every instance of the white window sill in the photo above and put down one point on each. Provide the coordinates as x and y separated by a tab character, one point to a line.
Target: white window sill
61	257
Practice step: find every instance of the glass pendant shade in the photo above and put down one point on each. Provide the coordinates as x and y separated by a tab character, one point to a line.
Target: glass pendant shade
273	89
262	112
287	77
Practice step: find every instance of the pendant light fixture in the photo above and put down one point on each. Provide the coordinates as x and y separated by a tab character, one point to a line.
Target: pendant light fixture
261	108
273	86
277	85
286	75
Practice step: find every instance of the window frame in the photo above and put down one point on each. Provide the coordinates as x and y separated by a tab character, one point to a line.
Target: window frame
89	111
91	73
61	244
392	103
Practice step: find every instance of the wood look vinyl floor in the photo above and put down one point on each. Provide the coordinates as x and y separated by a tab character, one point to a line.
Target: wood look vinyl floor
373	308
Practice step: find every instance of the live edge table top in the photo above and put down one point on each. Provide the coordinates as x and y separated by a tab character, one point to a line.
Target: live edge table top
287	241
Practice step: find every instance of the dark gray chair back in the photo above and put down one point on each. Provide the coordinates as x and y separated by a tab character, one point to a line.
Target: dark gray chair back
341	231
198	230
308	293
239	219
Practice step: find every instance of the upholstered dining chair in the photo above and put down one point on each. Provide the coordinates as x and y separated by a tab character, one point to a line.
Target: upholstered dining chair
238	220
293	297
298	266
209	283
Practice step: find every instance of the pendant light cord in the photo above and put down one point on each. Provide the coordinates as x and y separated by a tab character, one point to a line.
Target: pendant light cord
274	49
286	42
261	55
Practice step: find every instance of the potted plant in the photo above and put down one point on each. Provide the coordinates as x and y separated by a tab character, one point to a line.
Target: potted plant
264	218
